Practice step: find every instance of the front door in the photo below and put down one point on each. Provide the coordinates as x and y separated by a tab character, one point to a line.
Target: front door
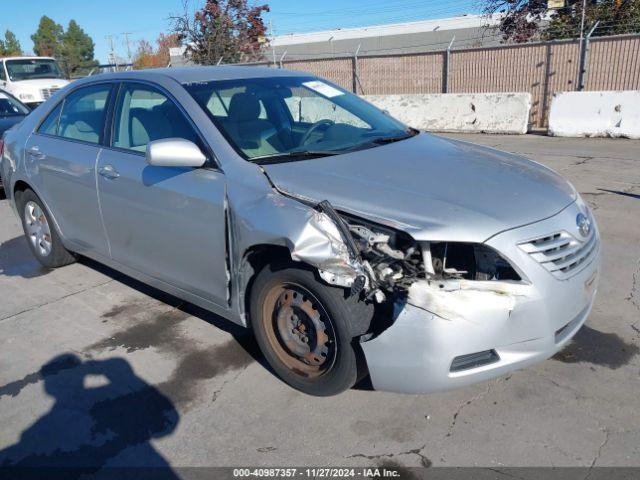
166	222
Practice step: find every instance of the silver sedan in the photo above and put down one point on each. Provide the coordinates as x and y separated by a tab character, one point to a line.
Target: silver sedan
349	242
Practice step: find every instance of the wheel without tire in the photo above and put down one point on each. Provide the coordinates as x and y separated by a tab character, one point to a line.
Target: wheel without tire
302	328
41	233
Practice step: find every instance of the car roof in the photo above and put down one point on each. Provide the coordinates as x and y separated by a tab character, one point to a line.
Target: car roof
200	74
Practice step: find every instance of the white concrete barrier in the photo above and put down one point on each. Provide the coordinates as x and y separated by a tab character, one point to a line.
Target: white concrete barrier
460	112
595	114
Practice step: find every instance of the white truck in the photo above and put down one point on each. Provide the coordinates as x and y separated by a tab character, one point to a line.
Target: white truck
31	79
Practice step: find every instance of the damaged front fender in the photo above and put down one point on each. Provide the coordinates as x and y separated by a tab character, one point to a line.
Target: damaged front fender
324	244
310	233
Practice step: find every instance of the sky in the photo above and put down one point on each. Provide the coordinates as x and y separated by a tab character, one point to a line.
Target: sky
146	19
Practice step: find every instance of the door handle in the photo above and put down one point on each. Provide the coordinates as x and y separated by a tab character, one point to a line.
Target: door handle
108	171
36	153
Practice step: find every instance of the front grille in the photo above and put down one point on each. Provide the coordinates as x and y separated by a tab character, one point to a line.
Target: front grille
48	92
561	253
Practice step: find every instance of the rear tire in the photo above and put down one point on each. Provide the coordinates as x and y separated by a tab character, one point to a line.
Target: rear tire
41	233
303	329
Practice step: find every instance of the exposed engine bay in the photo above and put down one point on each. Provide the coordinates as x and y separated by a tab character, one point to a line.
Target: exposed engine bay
389	267
394	261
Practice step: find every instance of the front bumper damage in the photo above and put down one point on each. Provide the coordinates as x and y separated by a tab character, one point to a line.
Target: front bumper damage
450	332
453	334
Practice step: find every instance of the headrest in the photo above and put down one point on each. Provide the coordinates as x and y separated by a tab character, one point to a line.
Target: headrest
244	107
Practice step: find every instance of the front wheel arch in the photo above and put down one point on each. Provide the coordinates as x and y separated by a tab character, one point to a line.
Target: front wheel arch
258	257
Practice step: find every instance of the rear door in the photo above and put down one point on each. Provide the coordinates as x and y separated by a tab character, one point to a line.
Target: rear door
166	222
62	155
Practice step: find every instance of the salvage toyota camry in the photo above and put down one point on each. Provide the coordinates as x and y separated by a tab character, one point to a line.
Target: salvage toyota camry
345	240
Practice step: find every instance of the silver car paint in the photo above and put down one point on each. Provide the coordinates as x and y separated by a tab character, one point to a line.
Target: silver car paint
57	170
423	183
174	152
167	222
166	226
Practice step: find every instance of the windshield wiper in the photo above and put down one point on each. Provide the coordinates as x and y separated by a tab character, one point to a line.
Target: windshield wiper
385	140
396	138
293	155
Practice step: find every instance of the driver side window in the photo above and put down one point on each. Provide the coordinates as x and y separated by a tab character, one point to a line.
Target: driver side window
144	114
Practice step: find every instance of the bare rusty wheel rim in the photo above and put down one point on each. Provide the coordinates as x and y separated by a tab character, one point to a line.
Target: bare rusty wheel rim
299	330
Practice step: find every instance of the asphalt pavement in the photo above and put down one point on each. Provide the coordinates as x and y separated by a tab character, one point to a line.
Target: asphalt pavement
97	368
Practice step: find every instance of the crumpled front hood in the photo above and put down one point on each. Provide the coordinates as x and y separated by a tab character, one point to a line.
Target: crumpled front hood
432	187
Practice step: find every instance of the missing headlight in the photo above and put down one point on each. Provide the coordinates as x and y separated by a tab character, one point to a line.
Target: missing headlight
470	261
393	258
394	261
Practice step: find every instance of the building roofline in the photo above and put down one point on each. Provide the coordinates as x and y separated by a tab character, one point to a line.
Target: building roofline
422	26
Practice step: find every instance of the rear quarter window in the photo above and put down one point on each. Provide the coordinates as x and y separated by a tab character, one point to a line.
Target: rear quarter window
50	124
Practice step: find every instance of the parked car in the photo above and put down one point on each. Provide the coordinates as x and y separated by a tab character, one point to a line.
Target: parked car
345	239
31	79
12	111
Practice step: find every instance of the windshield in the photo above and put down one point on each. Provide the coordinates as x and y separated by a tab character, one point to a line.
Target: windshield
277	118
10	107
31	68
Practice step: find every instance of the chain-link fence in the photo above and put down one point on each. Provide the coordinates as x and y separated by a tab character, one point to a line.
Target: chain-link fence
610	63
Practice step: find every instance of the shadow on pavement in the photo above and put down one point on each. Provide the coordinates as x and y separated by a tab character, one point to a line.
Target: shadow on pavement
16	260
101	409
619	192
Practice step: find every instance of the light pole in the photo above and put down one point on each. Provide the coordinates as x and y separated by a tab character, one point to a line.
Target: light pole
580	51
584	8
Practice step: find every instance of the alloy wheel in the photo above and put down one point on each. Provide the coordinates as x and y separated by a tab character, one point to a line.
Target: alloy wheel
37	227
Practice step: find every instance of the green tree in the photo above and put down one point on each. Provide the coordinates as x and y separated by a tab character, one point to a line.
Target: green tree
76	51
47	39
10	46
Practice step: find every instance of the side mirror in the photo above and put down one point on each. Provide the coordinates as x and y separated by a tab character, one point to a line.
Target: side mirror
174	152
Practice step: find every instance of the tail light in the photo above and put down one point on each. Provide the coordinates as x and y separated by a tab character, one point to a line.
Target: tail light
1	148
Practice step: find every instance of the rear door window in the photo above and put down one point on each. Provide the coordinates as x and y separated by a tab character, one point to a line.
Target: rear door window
83	114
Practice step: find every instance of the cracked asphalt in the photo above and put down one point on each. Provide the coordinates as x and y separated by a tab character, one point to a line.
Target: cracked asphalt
98	369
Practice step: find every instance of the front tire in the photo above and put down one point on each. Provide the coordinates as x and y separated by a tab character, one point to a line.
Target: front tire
43	239
303	329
